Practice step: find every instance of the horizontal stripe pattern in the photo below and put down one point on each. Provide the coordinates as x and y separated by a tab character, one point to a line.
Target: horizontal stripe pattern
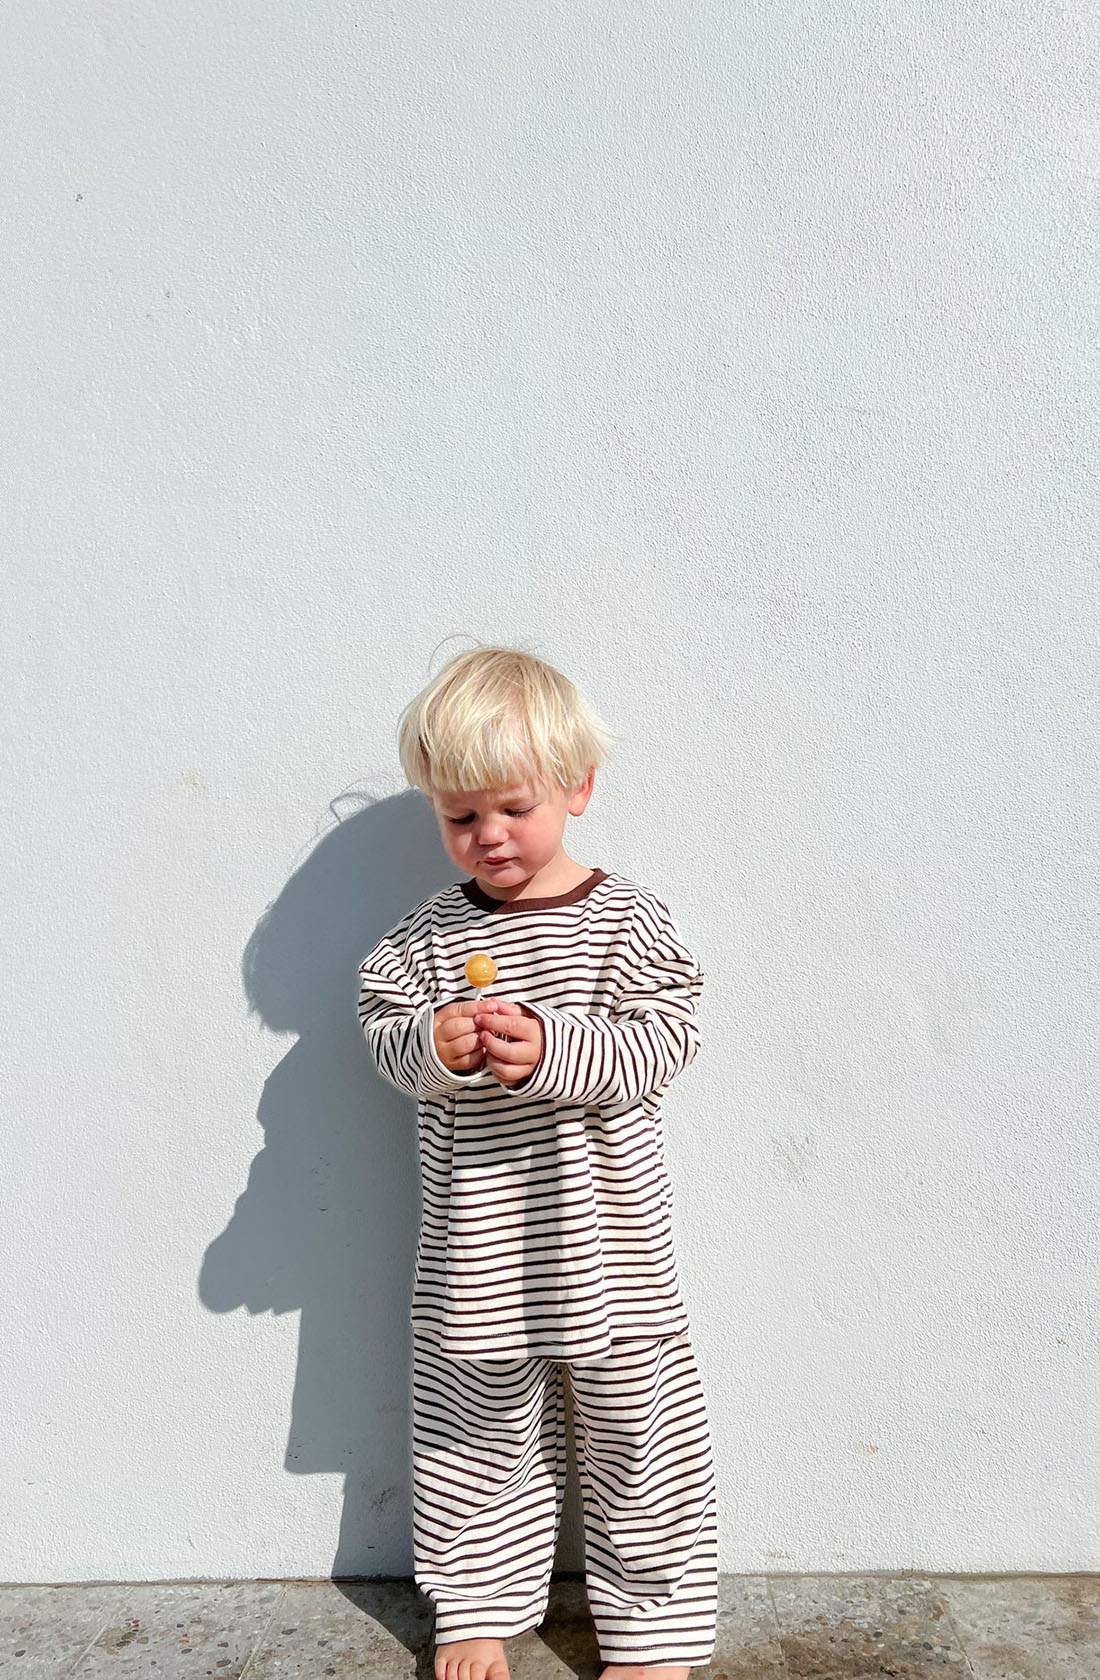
489	1470
546	1223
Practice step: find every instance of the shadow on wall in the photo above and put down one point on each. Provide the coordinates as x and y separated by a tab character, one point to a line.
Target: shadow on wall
327	1223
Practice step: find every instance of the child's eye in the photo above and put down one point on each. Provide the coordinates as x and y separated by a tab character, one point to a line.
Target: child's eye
469	817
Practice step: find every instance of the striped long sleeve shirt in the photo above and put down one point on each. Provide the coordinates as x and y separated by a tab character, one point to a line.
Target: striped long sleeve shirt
546	1217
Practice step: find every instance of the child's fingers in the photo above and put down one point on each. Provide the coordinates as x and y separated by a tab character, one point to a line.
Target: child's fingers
515	1048
458	1036
508	1073
501	1017
513	1025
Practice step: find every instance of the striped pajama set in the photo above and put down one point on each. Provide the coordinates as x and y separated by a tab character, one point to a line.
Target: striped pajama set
545	1255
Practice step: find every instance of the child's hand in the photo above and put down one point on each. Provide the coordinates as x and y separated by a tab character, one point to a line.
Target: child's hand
456	1039
512	1038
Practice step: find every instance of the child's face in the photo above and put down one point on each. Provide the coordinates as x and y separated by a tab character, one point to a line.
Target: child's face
510	837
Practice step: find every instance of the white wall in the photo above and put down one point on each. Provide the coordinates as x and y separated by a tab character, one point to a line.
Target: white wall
740	358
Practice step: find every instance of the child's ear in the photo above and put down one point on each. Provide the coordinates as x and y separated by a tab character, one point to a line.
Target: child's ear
583	792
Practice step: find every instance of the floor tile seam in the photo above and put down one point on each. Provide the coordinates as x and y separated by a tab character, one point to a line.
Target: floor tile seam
115	1613
778	1629
970	1669
262	1632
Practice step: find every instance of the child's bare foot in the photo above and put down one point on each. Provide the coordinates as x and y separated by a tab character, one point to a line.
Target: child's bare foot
633	1671
473	1659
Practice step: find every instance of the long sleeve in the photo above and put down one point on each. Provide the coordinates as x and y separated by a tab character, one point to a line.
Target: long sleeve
650	1036
396	1010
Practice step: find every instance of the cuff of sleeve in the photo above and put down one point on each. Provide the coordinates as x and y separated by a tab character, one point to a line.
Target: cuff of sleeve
435	1077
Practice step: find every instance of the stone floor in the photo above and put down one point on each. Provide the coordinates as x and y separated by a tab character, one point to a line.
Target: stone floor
771	1627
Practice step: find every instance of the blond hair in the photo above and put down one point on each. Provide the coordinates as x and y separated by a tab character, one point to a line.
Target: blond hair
494	716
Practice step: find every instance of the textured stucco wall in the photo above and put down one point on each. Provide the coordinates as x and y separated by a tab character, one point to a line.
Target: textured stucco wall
742	359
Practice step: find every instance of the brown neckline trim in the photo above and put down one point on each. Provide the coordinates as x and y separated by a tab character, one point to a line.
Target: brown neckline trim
482	899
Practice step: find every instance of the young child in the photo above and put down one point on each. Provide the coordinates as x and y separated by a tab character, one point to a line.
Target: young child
545	1243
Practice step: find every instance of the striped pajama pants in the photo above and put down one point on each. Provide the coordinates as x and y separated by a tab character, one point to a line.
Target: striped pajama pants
489	1466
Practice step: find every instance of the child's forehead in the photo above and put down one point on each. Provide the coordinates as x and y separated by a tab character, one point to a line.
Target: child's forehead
470	796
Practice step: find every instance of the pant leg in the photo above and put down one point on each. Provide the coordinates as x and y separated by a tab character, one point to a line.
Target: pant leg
489	1466
648	1487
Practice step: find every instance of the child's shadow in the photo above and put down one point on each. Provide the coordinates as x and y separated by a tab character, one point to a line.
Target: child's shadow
327	1223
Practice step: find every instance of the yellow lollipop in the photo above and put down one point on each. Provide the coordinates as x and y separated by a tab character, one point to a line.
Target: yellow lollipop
481	970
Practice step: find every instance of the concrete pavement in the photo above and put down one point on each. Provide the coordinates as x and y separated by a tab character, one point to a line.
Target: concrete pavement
771	1627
